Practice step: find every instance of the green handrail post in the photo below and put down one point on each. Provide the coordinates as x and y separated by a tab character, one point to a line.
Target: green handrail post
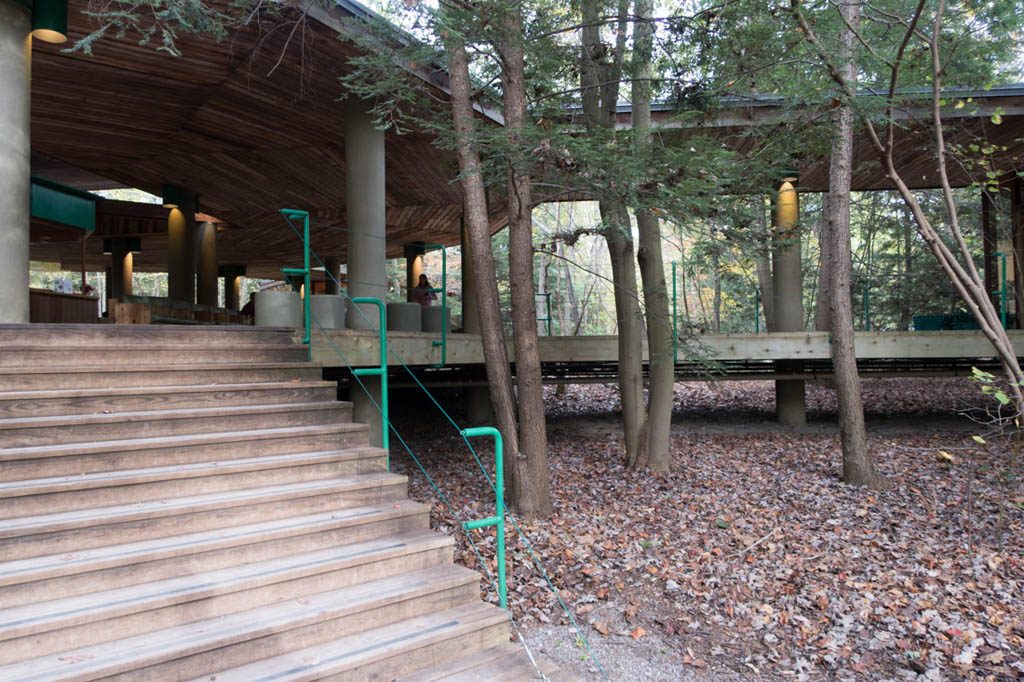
382	371
1002	292
289	214
547	299
499	493
444	302
675	318
757	310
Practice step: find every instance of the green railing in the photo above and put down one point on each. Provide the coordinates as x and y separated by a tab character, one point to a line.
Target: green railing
443	289
547	317
1002	291
499	495
381	371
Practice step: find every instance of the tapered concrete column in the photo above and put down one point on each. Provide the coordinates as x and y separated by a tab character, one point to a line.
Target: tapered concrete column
233	278
15	172
121	262
478	399
365	208
332	276
790	408
413	267
206	263
181	225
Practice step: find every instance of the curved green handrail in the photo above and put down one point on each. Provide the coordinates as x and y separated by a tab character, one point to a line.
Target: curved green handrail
499	493
381	371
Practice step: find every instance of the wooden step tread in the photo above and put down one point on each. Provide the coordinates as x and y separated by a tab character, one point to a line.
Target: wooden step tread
506	662
50	394
180	413
196	367
99	558
144	347
157	442
121	477
152	648
350	653
49	523
29	619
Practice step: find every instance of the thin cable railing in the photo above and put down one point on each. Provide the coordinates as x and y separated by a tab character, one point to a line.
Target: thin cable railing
494	484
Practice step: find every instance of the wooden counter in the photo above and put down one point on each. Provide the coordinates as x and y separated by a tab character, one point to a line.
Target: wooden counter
50	306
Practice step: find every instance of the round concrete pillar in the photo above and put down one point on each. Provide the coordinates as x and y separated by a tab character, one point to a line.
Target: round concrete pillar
432	318
405	317
181	223
790	406
279	309
121	266
328	310
413	267
332	275
206	263
365	210
15	170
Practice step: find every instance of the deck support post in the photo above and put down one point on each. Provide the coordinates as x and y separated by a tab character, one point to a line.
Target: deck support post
206	263
181	227
413	267
367	247
15	169
332	275
478	398
790	406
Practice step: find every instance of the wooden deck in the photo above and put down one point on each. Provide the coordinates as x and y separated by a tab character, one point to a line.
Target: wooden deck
733	356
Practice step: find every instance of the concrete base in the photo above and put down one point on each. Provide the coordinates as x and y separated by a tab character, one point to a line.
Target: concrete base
328	310
432	318
405	317
279	309
478	407
790	408
362	316
364	411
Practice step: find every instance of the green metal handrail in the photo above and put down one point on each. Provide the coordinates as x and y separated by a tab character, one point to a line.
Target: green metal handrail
547	298
382	371
443	289
288	214
499	493
1002	292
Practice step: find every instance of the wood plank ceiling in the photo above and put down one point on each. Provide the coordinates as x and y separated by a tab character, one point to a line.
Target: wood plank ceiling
253	124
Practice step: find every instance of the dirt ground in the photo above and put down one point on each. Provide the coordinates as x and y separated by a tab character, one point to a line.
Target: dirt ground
751	560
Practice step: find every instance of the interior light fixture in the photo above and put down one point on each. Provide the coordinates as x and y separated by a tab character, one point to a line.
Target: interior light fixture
171	196
50	20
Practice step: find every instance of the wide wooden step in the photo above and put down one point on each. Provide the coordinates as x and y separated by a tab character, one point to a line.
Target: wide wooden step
68	574
90	335
124	486
72	459
47	627
117	356
39	431
18	404
199	649
383	652
88	528
234	372
503	663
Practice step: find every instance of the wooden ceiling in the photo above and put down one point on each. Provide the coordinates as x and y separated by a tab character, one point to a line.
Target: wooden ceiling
253	124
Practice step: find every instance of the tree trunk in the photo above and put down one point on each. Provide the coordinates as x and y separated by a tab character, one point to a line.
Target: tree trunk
533	493
499	377
826	262
858	469
716	306
599	79
656	455
764	274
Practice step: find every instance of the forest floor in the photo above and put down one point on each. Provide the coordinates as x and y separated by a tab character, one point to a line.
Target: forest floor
752	561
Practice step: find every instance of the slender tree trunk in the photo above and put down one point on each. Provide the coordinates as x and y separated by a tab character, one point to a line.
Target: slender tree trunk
764	273
716	305
533	494
858	469
826	262
499	377
655	456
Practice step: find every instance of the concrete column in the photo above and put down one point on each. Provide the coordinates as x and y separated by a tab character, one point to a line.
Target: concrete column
478	398
332	276
206	263
365	208
233	276
121	262
15	144
790	407
413	267
181	224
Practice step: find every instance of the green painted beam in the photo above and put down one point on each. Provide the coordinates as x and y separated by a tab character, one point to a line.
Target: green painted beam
62	204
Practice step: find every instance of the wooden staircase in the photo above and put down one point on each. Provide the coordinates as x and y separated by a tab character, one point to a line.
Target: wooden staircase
194	504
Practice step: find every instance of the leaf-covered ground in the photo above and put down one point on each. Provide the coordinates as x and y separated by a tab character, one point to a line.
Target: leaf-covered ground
753	560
